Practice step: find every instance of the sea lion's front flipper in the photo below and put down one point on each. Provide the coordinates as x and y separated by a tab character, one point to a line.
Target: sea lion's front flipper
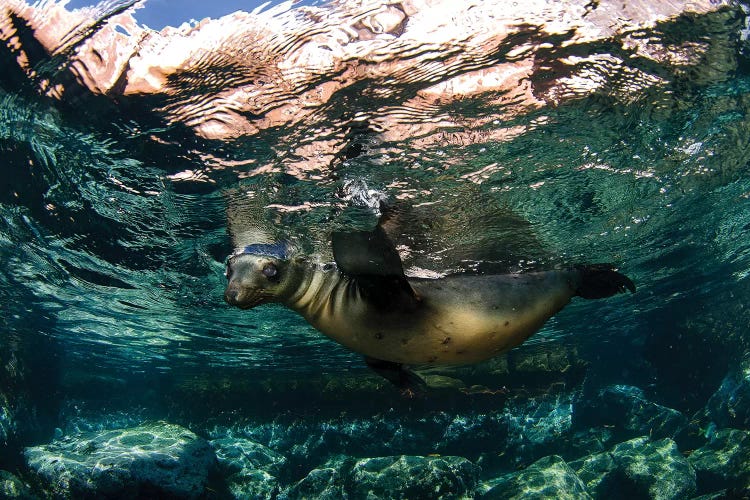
368	253
406	380
371	258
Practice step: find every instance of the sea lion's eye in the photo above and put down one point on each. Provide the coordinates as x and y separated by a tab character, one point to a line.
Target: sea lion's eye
269	270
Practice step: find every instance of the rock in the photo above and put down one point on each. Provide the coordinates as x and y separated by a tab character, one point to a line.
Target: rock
724	461
323	484
388	477
436	382
156	459
716	495
537	369
413	477
251	470
306	442
539	423
729	406
498	365
627	409
7	420
81	416
238	454
252	484
544	360
596	472
638	468
656	468
549	477
522	432
588	442
12	487
474	433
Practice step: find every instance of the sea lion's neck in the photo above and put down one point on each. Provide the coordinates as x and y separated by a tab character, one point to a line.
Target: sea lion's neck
316	290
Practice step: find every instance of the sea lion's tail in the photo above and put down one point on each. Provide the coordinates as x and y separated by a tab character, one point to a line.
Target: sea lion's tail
598	281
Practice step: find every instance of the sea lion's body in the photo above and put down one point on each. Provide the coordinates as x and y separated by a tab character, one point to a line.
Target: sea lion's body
458	319
369	306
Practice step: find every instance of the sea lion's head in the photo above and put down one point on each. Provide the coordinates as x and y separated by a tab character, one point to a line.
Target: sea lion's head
258	275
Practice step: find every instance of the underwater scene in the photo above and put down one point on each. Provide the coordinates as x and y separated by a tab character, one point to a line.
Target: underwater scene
416	249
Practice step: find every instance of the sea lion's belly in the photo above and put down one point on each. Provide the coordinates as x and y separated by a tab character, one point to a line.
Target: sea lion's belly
447	336
460	320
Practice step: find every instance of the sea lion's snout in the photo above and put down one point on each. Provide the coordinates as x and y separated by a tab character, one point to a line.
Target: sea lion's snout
232	294
238	296
233	291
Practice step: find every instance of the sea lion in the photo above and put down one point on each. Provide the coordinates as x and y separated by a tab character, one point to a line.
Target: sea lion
366	303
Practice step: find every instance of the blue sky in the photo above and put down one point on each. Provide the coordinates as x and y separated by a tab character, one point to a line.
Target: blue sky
159	13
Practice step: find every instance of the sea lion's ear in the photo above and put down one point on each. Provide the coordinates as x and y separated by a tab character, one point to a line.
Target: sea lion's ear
371	258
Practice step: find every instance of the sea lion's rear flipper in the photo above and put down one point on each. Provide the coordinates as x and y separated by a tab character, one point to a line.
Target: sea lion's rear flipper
406	380
371	258
598	281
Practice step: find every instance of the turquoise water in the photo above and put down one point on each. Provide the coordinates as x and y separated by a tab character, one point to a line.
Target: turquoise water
118	213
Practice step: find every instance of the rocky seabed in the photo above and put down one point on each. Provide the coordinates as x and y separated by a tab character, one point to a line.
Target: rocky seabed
612	443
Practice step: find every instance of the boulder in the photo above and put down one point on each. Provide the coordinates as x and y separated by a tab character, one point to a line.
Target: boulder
251	470
724	461
405	477
627	409
656	468
539	424
326	483
587	442
638	468
597	472
155	459
13	487
522	432
474	433
252	484
549	477
729	406
395	477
